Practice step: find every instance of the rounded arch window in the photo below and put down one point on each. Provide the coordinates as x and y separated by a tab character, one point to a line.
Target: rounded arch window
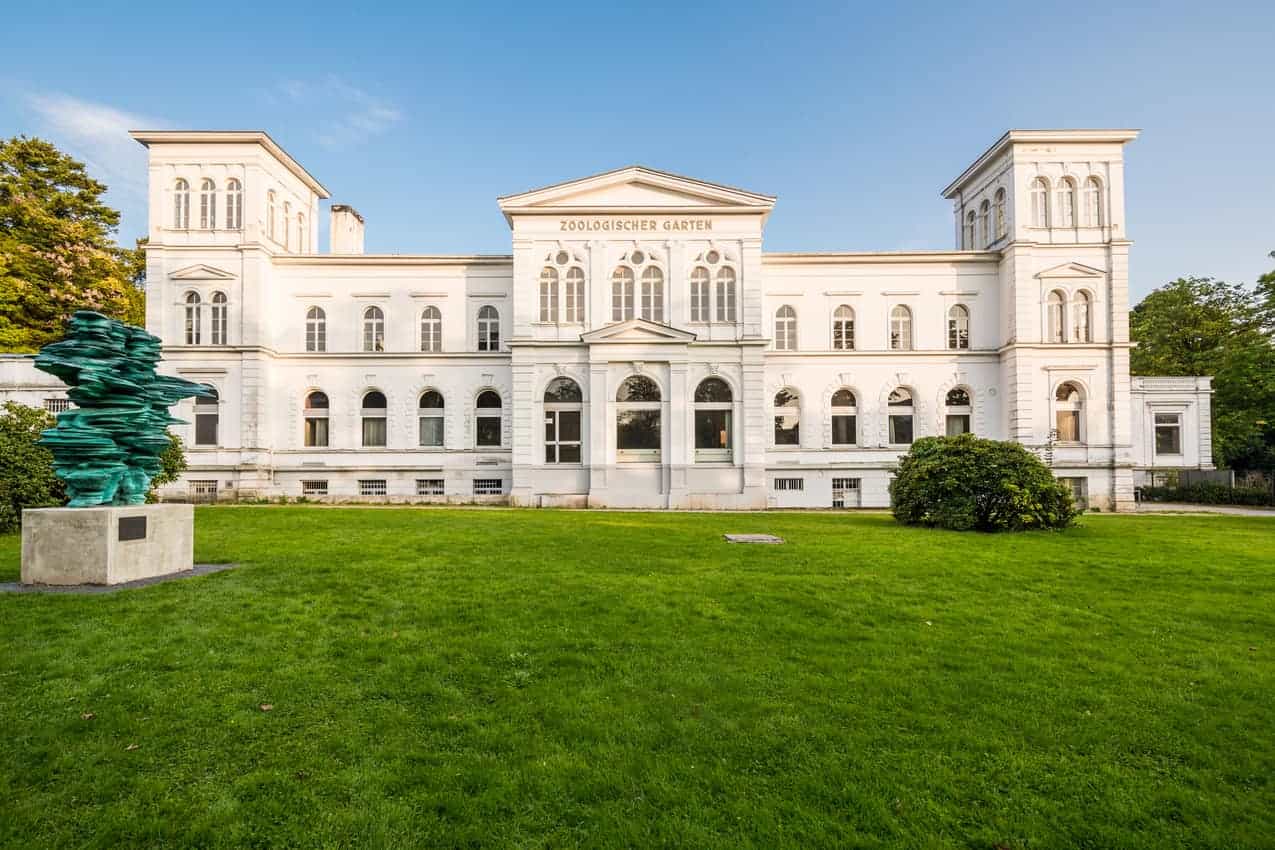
1066	202
1040	202
1056	317
653	294
901	416
218	317
638	419
713	390
193	327
429	425
207	204
725	294
959	408
622	294
316	420
984	224
488	328
713	420
638	388
1093	202
487	418
901	328
845	418
786	329
1069	407
373	329
1002	227
181	204
564	409
843	328
958	327
970	242
700	295
373	415
316	329
787	417
548	294
562	390
234	204
431	329
1080	322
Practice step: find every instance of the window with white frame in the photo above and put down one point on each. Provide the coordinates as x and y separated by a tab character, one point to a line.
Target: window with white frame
287	226
489	486
564	406
900	328
725	293
1067	202
303	233
207	415
431	329
1002	225
488	328
786	329
312	487
207	204
1168	433
845	418
653	294
316	329
234	204
1069	408
1080	314
315	414
622	283
193	325
487	419
959	410
574	296
373	329
431	411
958	327
845	492
700	294
181	204
217	315
1093	203
970	228
549	294
984	224
638	415
714	403
372	487
374	413
843	328
786	414
57	405
271	212
430	487
1056	317
1040	202
901	417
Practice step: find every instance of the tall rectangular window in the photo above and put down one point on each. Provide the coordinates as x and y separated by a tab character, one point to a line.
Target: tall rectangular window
562	436
1168	433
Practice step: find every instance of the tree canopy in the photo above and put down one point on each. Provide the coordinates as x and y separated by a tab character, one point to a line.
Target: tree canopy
57	248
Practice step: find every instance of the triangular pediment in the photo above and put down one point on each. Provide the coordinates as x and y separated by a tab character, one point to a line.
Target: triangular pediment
640	331
635	189
1071	270
201	272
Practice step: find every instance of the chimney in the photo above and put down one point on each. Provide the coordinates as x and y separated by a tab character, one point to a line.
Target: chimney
346	233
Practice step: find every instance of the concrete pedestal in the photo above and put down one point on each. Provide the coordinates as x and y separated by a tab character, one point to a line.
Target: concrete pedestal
106	545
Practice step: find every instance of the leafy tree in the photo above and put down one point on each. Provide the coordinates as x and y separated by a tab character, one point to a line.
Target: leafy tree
966	483
173	464
57	252
27	479
1202	326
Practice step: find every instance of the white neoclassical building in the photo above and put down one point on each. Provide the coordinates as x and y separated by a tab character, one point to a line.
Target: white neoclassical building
639	348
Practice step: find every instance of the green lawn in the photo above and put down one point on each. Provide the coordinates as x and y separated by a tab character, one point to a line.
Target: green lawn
507	678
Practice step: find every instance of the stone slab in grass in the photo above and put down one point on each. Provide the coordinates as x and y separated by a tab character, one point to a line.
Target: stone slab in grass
753	538
199	570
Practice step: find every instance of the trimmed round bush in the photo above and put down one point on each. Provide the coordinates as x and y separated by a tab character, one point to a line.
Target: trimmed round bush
968	484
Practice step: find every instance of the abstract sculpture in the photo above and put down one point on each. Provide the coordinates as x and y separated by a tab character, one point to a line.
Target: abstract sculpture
107	447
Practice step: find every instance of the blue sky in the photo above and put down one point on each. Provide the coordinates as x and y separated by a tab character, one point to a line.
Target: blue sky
854	116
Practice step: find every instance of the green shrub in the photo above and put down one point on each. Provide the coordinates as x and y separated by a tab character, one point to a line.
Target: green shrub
27	479
1209	493
965	483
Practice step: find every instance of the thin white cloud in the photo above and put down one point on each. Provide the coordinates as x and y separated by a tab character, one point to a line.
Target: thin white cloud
349	115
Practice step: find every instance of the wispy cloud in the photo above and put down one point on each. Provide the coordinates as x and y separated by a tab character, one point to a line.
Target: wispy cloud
350	115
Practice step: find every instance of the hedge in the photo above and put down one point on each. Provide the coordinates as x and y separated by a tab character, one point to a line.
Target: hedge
1207	493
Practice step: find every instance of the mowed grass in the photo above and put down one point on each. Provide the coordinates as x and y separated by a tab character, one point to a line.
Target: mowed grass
496	678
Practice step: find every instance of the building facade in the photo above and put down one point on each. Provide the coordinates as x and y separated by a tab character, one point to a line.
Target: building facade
638	348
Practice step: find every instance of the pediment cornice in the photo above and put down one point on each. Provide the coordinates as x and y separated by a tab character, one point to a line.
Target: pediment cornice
638	331
199	271
1070	270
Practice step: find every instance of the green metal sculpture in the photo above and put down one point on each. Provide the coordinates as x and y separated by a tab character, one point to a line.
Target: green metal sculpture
107	447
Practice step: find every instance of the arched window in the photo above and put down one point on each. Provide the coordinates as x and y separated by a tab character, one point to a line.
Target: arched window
845	410
958	327
653	294
206	419
725	294
316	329
575	295
622	294
970	218
1002	225
373	329
958	411
488	329
430	410
1056	319
787	417
1069	408
217	315
900	409
1093	203
1040	202
207	204
193	325
303	234
1080	318
563	408
234	204
431	329
713	407
984	224
1067	202
487	419
287	226
549	294
900	328
700	295
270	214
785	329
638	413
843	328
181	205
374	412
315	414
